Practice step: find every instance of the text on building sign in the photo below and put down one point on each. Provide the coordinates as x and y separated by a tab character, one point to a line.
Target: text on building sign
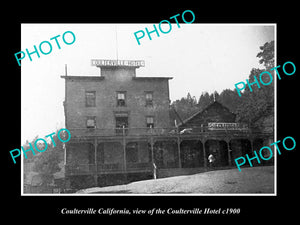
227	126
106	62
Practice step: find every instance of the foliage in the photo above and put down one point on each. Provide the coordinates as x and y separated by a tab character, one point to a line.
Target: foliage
267	55
251	107
260	102
46	163
185	107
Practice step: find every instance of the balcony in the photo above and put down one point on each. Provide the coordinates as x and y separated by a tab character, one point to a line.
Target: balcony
119	132
213	128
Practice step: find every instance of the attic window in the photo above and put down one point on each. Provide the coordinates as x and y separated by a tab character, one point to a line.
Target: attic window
121	97
90	98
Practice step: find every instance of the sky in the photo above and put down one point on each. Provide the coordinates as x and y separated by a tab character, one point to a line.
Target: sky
199	57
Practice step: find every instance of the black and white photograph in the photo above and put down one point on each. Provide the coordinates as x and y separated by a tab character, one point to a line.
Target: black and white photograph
115	114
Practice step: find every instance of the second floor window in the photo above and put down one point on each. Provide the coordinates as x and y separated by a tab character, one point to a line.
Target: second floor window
90	98
150	121
121	122
91	122
121	98
149	98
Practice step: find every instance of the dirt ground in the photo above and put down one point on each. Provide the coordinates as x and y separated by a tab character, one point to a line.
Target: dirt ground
231	181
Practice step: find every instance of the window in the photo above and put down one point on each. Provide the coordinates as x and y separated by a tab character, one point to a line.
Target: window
132	152
121	96
149	98
150	121
121	122
91	122
90	98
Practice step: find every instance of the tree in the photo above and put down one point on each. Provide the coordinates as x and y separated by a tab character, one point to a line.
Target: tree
230	99
185	107
191	100
47	163
204	100
267	55
30	157
215	96
260	102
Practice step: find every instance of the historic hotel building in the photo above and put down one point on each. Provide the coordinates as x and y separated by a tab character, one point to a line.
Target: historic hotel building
120	126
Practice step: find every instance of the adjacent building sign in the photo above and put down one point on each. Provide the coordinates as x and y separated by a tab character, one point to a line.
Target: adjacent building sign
227	126
108	62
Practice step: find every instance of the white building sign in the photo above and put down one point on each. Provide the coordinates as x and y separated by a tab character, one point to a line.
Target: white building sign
227	126
108	62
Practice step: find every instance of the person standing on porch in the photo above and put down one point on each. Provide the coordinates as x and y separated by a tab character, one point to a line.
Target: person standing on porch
211	160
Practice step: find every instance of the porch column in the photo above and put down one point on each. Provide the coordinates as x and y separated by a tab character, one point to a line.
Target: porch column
152	145
96	163
124	150
65	154
228	152
204	152
153	166
178	148
251	143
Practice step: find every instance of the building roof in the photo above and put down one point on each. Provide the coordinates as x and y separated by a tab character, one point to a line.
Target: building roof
151	78
214	104
84	77
102	78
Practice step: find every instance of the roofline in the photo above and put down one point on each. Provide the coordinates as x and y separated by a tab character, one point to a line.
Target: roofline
196	113
189	118
141	78
102	77
83	77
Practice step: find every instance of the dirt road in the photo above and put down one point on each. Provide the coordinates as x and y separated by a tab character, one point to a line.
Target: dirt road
249	180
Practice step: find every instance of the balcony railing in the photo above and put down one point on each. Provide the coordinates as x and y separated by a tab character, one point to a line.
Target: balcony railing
239	128
84	169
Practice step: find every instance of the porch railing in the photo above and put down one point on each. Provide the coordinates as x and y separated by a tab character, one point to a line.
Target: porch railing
164	131
84	169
